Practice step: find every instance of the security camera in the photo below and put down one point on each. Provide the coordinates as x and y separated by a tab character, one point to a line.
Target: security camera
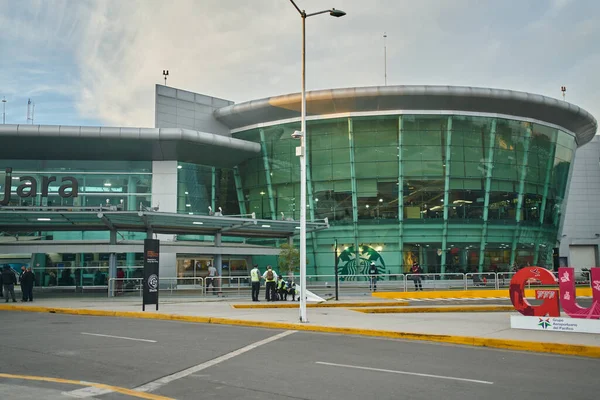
297	134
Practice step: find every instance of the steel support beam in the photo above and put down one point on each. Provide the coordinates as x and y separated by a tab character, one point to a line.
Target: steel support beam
549	165
354	190
489	168
267	166
446	193
400	194
522	175
239	190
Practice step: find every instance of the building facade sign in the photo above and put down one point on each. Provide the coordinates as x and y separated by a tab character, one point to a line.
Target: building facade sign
30	187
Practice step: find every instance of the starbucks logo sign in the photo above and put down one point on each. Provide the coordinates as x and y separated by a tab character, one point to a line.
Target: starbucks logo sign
352	265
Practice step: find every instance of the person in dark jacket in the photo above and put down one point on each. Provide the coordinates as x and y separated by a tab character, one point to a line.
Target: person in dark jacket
23	270
27	281
9	279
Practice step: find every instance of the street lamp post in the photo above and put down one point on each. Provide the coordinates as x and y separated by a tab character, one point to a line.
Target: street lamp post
334	13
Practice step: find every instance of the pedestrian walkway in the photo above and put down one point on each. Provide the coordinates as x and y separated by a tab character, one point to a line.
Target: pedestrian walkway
479	328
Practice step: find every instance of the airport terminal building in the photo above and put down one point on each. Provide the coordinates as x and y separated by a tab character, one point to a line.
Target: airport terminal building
459	179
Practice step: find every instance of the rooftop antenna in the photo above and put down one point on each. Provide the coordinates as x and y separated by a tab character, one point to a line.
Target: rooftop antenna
165	74
30	111
563	89
4	110
385	57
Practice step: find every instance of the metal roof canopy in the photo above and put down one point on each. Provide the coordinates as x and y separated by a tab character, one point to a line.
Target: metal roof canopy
16	219
56	142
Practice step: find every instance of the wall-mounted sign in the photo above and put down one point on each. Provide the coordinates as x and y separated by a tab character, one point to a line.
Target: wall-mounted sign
30	187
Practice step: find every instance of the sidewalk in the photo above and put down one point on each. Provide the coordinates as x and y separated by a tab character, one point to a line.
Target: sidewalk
491	326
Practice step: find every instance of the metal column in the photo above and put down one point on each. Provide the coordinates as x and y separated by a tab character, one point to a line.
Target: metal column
213	194
112	264
265	157
489	164
446	194
549	165
239	190
354	190
523	174
400	195
219	255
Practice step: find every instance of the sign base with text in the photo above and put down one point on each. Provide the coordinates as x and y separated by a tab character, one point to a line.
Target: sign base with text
555	324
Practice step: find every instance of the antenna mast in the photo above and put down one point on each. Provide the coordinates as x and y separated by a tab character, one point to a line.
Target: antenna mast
385	57
30	111
4	110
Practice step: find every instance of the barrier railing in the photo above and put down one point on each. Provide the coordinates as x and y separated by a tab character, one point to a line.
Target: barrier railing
324	285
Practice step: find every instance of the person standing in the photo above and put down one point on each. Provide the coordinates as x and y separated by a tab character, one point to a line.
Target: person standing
27	281
23	295
271	278
9	280
373	277
255	278
210	279
416	271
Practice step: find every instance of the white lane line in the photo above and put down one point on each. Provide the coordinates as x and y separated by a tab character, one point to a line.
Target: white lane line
406	373
151	386
119	337
148	387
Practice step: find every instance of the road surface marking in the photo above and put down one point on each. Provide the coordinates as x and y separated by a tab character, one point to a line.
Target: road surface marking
406	373
150	386
127	392
119	337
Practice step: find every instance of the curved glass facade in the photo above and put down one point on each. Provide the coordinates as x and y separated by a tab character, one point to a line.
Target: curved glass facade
456	193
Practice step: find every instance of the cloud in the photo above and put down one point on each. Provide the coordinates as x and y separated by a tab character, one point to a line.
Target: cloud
112	52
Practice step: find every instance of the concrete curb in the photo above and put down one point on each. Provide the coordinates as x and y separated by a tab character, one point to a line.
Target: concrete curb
325	305
441	309
468	294
538	347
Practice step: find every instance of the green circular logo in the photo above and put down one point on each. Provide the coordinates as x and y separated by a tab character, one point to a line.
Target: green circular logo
351	267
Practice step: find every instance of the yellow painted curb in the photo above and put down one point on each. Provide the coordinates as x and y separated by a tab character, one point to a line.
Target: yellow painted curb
466	294
442	309
540	347
128	392
325	305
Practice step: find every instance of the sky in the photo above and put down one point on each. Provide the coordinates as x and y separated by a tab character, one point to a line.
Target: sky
97	62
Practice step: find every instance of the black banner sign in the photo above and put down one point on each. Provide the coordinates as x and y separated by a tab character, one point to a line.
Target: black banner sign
151	253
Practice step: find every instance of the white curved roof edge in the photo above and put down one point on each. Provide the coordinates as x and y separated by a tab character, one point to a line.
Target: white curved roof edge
577	120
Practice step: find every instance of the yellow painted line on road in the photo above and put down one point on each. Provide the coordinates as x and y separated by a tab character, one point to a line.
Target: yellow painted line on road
127	392
325	305
467	294
509	344
441	309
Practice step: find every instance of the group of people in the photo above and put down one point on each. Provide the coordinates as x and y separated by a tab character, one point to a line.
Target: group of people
8	280
276	288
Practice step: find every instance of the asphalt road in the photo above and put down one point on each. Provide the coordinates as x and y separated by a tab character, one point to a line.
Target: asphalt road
199	361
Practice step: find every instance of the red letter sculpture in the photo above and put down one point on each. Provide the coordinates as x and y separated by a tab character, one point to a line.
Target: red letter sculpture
549	306
568	299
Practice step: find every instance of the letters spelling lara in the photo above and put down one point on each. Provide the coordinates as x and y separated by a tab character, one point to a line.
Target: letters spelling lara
29	187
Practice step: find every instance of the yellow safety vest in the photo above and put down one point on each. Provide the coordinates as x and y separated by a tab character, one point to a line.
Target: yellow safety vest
255	275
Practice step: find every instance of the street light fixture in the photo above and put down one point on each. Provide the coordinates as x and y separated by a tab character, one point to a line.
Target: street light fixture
301	153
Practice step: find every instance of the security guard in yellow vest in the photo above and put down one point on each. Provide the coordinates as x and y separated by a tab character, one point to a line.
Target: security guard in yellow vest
255	278
271	278
281	291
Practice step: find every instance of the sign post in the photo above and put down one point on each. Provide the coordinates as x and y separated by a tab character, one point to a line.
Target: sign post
337	280
151	253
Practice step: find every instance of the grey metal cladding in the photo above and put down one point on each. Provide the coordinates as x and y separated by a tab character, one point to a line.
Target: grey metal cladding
417	98
50	142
